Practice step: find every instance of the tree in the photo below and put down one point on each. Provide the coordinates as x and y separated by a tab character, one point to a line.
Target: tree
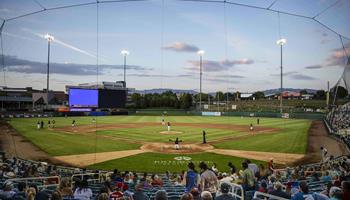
303	92
341	92
320	94
136	98
219	96
186	101
259	95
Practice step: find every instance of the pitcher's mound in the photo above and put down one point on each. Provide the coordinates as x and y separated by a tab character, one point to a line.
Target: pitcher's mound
169	148
170	132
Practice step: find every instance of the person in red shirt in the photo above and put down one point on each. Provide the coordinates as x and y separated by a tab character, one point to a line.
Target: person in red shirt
346	190
117	193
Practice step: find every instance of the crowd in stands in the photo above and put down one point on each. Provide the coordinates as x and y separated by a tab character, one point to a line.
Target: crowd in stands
339	117
338	120
320	181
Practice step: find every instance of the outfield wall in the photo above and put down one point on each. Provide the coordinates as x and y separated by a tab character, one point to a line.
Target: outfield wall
159	112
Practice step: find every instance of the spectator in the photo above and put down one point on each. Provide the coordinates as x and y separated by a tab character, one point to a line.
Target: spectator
65	188
139	194
156	181
263	187
335	193
209	180
161	195
186	196
103	196
277	191
303	192
253	167
206	195
82	192
117	192
191	177
247	178
346	190
232	168
196	194
7	193
225	189
262	172
21	193
56	195
31	193
214	168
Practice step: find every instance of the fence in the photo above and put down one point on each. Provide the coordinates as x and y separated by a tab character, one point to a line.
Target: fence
41	182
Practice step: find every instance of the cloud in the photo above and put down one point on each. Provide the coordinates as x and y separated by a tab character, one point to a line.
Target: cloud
285	73
230	76
181	47
14	64
301	77
337	56
218	80
314	67
212	66
295	75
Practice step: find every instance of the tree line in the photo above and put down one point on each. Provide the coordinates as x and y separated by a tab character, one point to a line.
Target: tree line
170	99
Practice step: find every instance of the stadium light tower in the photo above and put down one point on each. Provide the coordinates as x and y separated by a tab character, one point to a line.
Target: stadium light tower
49	39
281	42
200	53
125	53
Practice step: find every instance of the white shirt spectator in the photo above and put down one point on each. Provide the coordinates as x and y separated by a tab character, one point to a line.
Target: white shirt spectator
83	194
253	167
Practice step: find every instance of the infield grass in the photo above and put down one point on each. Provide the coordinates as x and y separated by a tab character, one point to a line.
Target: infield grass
160	163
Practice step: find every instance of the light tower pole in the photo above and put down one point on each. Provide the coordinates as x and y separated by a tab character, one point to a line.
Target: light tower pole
49	39
200	53
281	42
125	53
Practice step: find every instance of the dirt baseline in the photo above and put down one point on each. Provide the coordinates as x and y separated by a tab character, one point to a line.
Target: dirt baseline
170	148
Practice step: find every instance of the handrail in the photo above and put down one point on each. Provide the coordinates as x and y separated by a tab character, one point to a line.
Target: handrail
267	196
101	176
235	189
45	184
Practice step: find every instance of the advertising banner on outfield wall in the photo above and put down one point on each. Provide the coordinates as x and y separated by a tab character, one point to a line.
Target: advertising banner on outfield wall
211	113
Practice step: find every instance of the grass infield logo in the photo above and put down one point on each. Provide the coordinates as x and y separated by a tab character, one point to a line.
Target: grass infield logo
182	158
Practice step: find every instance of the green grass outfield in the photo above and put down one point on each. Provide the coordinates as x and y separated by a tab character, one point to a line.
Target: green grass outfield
292	137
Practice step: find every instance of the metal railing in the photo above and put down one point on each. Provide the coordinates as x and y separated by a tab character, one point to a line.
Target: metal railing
237	191
50	181
261	195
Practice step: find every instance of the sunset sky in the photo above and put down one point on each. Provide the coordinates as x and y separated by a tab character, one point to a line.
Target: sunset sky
163	38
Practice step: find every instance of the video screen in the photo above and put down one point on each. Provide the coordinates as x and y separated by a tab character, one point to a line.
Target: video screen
83	98
112	98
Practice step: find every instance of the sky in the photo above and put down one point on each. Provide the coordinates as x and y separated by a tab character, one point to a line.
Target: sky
163	38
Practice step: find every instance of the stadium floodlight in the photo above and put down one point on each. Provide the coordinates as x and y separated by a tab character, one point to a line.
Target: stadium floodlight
125	53
49	39
281	42
200	53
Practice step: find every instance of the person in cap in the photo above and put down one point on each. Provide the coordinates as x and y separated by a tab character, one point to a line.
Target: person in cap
7	192
161	195
225	189
277	191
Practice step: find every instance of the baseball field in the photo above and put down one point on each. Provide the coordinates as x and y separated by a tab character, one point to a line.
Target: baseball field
142	143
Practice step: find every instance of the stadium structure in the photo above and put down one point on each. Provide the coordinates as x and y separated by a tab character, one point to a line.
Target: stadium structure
226	134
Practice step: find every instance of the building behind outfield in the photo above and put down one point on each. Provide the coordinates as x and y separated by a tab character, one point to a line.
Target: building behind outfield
92	96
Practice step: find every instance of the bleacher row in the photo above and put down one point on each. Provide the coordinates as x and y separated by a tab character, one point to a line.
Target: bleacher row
319	177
